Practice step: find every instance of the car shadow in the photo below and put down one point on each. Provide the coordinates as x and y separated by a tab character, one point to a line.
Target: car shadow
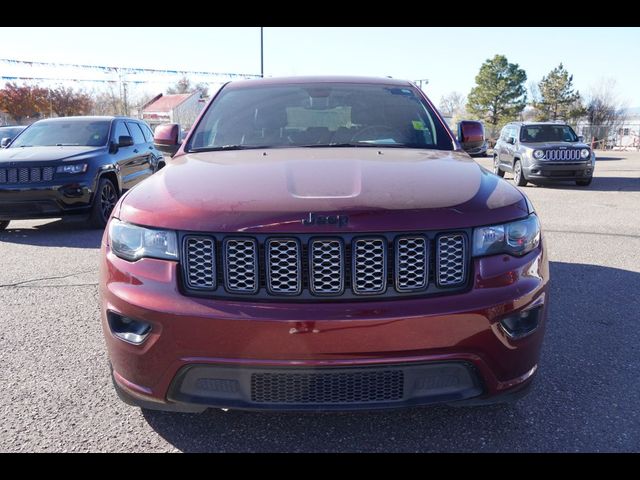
584	397
607	158
599	184
73	233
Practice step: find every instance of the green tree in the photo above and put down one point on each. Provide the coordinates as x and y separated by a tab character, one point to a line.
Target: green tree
499	95
557	100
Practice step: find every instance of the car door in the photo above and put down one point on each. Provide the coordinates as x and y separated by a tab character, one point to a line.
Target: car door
156	155
510	146
142	164
501	145
124	156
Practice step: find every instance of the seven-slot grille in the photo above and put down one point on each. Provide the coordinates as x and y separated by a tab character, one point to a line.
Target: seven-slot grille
562	154
450	259
412	268
26	174
327	267
283	266
241	265
350	265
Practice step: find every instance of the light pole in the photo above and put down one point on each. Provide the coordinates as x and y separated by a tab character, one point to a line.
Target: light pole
261	52
421	81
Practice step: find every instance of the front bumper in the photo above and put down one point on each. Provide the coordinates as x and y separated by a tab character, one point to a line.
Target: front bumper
565	170
45	200
204	352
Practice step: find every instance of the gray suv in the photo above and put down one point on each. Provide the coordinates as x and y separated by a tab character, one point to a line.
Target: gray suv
542	151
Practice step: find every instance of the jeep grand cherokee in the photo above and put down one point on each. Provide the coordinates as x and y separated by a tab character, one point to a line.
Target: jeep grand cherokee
322	243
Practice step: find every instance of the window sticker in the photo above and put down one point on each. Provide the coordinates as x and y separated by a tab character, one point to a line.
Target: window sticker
418	125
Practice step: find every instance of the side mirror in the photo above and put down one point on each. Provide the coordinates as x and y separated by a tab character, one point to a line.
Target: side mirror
125	141
5	142
166	138
511	141
470	134
581	138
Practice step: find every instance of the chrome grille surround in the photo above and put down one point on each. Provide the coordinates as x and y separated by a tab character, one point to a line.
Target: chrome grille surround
562	154
412	265
283	266
240	265
326	260
451	259
199	255
369	269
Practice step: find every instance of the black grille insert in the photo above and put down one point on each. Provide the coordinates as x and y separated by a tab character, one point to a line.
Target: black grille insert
327	387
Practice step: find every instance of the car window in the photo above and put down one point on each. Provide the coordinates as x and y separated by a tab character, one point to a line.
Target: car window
136	133
120	130
148	134
317	115
90	133
548	133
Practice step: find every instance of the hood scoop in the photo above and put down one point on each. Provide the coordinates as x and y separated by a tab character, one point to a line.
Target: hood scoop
322	179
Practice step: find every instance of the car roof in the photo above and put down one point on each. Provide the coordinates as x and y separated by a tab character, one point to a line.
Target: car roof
89	117
254	82
537	123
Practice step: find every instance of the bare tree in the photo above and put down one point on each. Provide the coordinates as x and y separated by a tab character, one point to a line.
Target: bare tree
107	102
453	106
605	111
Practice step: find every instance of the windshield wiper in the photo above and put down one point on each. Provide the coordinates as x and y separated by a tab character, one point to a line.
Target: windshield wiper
233	147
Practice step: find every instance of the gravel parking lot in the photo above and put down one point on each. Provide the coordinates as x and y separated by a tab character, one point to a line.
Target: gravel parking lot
56	392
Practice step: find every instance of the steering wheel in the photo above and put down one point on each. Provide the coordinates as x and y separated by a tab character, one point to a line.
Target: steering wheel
396	133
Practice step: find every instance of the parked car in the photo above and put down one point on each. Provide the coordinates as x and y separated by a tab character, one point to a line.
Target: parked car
543	151
73	166
322	243
8	133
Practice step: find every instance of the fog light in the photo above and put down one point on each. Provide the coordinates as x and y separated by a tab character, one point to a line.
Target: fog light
128	329
523	323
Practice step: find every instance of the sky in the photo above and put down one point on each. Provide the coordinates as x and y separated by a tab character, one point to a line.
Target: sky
448	57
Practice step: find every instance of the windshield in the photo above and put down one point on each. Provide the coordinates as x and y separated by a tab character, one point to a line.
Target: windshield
319	115
91	133
547	133
10	132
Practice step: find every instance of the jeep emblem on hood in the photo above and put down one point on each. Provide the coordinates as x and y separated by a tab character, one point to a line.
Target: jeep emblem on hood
313	219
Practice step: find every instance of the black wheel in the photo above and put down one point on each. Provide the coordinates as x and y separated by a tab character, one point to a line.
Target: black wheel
518	174
496	167
4	224
584	183
105	199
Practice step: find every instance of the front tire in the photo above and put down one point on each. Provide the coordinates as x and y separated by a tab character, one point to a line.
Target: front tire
105	199
496	167
4	224
584	183
518	174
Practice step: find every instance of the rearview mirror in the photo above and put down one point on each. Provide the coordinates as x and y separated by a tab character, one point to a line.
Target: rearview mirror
166	138
470	134
125	141
5	142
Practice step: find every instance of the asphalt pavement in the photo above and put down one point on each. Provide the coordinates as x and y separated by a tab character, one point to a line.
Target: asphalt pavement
57	396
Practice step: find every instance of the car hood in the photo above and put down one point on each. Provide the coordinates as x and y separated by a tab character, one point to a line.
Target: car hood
386	189
546	145
47	154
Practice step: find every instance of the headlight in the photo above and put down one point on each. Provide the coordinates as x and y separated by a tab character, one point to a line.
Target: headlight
132	242
584	153
75	168
538	154
515	238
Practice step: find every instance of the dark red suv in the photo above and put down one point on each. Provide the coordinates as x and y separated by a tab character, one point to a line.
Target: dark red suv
322	243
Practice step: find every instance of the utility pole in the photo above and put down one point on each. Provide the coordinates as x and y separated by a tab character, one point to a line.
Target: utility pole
422	81
261	52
